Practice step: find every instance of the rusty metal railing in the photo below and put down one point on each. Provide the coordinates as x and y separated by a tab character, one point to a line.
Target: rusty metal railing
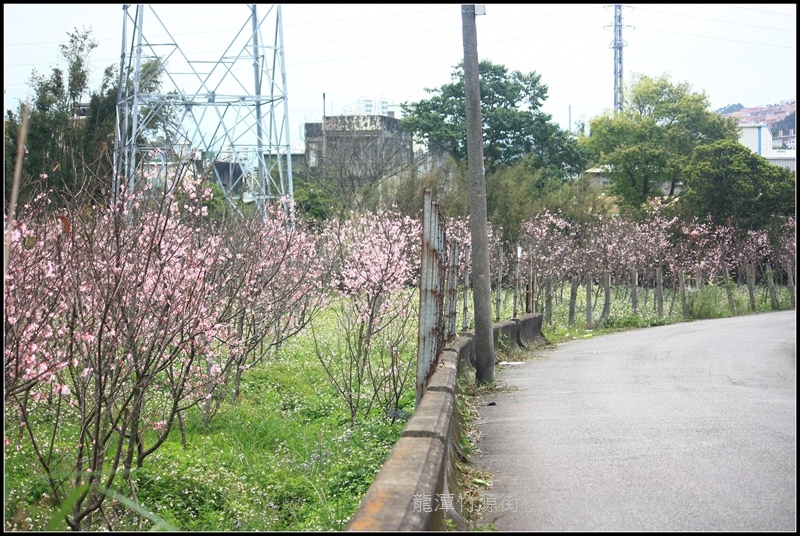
437	281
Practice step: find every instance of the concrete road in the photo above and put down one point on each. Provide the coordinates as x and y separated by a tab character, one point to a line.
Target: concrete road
687	427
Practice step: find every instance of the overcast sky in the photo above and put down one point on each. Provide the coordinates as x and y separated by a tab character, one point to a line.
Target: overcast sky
743	53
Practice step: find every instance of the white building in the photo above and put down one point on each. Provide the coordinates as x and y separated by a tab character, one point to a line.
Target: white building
758	138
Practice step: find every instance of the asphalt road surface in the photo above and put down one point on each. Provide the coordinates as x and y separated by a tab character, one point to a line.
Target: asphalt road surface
686	427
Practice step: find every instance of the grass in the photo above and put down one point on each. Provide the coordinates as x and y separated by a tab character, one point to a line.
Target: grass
283	458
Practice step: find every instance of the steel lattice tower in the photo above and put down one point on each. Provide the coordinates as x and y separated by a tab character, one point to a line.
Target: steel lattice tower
221	114
617	45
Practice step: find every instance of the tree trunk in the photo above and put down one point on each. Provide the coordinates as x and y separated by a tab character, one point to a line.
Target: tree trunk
182	427
573	297
750	274
729	289
773	296
659	294
548	300
682	290
588	300
607	293
790	276
635	290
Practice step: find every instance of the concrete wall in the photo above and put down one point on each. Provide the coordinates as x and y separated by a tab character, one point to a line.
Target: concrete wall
420	469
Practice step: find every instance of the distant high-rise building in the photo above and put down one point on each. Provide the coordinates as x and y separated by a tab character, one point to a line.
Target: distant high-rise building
370	106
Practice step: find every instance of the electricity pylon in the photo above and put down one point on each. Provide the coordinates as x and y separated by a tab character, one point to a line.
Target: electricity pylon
617	46
220	112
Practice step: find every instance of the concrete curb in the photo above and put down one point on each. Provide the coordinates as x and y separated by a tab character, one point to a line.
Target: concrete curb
420	473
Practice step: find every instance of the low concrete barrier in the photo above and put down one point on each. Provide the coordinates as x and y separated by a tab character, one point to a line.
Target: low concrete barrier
465	349
505	335
413	469
420	471
529	329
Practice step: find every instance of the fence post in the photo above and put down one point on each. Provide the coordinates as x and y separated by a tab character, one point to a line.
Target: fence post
516	278
499	283
452	295
465	323
530	300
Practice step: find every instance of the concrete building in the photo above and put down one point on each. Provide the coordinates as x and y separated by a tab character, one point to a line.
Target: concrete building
785	139
361	148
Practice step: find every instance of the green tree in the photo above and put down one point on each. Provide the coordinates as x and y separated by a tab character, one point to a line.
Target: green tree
513	124
515	193
651	140
53	158
737	187
69	149
730	108
99	131
526	155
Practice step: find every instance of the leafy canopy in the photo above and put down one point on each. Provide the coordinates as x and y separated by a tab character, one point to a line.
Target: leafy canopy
513	124
71	131
736	187
649	143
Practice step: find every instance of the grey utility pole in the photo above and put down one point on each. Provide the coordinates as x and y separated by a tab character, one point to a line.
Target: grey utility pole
481	286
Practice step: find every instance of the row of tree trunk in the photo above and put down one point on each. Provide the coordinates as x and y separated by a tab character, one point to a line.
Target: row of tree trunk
592	294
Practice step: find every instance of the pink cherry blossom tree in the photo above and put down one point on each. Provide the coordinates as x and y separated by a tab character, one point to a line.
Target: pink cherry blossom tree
375	263
120	318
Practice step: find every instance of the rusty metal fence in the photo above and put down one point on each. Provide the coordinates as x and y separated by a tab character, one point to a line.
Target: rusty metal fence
440	282
437	292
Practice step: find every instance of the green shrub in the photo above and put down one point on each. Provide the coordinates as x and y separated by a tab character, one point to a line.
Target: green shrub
624	321
710	302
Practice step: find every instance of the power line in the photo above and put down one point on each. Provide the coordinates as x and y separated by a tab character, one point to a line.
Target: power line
384	15
717	38
717	20
762	10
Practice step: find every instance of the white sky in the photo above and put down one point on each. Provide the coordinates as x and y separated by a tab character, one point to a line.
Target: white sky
744	53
